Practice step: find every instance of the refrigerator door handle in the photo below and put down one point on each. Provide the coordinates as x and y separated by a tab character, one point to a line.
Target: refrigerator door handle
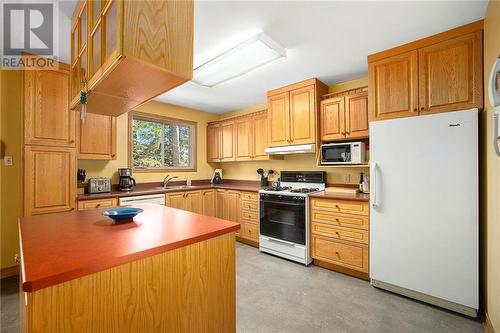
373	190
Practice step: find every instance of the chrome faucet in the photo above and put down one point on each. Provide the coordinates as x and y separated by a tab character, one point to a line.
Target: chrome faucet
167	179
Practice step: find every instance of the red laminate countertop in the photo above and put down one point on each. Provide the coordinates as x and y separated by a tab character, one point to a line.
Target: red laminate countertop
341	196
60	247
144	189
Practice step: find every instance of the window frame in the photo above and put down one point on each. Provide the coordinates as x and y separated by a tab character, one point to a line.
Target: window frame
158	118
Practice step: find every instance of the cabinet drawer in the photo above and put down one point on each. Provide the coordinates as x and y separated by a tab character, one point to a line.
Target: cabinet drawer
339	219
251	196
347	234
250	231
250	205
249	215
350	255
97	203
340	206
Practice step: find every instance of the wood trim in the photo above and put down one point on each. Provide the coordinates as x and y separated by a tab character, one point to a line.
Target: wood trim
340	269
9	271
293	86
440	37
243	115
247	241
155	117
487	325
345	93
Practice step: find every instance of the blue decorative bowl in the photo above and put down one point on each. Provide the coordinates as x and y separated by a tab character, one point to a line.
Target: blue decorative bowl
125	214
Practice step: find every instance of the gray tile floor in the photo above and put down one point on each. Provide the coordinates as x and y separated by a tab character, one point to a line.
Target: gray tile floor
276	295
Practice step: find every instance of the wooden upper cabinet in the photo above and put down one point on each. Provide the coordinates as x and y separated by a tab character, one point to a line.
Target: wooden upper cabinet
49	179
97	137
227	141
259	136
292	112
214	142
332	119
131	51
278	107
356	115
440	73
47	118
393	87
450	74
244	138
302	116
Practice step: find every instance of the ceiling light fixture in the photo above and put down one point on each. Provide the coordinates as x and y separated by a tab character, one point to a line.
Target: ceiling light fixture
241	59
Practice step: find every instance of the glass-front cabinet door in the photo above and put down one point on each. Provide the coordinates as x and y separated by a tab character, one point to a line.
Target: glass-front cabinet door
95	43
103	37
79	52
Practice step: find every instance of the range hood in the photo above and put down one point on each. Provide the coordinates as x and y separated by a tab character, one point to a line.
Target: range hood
296	149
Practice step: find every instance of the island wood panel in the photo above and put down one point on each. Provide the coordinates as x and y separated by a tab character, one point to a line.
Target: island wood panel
47	118
451	74
356	115
303	115
332	119
393	83
278	117
189	289
208	202
49	179
97	137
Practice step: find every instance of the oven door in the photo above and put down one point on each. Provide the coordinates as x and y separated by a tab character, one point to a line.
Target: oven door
283	218
336	154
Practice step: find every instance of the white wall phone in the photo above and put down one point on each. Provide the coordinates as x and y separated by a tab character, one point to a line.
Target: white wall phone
494	93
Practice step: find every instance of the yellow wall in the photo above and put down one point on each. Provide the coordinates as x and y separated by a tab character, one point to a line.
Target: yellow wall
110	168
247	170
491	177
11	176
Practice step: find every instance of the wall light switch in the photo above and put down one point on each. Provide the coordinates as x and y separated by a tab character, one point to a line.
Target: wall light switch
7	160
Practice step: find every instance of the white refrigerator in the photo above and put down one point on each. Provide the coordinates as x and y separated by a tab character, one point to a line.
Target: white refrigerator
424	230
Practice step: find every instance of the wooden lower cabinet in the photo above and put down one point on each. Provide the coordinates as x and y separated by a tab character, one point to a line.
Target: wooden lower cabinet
194	203
176	200
249	217
97	203
49	179
208	202
340	235
347	254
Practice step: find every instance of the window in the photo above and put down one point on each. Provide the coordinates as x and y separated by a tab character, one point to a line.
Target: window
160	143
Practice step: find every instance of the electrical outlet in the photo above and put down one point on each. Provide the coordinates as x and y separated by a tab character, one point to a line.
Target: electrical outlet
7	160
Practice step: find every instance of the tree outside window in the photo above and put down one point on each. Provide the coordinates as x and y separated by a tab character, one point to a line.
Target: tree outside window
162	143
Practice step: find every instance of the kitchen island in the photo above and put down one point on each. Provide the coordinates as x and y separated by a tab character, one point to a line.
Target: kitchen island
167	271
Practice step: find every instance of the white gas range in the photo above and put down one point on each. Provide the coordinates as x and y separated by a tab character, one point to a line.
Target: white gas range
284	222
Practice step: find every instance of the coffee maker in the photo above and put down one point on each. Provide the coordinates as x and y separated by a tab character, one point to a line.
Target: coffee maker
127	183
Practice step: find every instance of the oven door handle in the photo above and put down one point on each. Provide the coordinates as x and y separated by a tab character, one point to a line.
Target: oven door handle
284	202
281	241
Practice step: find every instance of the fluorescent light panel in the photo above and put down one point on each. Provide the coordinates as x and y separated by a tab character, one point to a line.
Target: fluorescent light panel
241	59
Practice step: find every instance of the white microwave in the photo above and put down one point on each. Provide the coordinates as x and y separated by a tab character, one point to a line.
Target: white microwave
343	153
